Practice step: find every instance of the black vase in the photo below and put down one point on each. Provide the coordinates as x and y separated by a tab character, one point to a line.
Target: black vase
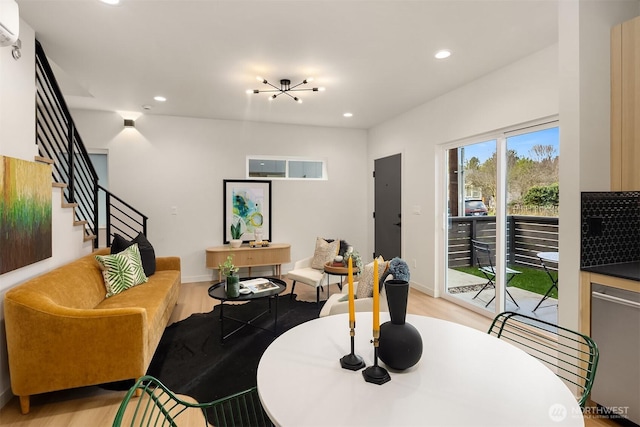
400	345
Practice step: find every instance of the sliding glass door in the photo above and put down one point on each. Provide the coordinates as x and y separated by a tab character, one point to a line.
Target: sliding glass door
502	225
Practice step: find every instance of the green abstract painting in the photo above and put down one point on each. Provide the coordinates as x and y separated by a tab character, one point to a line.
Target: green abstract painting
25	213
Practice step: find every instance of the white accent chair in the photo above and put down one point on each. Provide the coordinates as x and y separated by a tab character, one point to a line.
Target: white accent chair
303	272
334	305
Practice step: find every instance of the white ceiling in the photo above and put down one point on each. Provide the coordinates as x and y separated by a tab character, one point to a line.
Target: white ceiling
375	58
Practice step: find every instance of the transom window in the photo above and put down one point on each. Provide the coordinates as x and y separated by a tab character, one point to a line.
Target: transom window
286	168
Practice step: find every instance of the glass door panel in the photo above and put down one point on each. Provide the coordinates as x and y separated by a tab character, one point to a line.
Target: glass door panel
532	197
471	203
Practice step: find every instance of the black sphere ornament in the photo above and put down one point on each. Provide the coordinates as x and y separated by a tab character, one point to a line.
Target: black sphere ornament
400	342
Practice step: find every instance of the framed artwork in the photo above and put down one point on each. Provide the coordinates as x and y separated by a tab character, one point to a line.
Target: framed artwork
25	213
247	203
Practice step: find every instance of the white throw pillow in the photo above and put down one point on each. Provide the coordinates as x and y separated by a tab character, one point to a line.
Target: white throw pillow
325	252
365	284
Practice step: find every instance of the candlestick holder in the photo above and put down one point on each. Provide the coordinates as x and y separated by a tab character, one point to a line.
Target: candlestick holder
352	361
376	374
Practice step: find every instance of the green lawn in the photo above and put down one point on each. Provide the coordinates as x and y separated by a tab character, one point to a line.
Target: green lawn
530	279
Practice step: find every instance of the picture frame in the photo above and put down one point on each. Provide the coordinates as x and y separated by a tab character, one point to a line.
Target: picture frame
248	203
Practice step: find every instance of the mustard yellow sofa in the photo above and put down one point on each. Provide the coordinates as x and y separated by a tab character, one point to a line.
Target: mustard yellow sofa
62	332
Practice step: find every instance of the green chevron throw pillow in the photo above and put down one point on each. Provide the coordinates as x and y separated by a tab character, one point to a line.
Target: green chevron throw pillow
122	271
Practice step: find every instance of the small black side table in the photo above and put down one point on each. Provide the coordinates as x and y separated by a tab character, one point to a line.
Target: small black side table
217	291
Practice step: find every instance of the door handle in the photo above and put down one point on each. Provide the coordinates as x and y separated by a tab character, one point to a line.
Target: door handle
399	224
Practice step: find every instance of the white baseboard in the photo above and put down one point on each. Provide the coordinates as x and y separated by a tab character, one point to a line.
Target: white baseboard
201	278
423	288
5	397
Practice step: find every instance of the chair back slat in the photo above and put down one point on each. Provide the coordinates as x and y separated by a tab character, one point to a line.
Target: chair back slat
158	406
571	355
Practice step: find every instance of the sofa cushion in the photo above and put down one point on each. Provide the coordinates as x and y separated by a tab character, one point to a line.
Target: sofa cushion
325	252
147	252
365	284
122	271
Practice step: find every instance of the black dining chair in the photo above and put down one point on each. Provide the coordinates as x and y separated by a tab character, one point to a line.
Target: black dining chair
484	258
572	356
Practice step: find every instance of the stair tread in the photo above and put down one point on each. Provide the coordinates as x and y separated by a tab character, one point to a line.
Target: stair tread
59	185
44	160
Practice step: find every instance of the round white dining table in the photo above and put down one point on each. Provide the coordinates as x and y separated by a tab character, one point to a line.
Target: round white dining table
465	377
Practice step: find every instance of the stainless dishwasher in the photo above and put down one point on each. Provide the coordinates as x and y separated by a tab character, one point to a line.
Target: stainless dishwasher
615	327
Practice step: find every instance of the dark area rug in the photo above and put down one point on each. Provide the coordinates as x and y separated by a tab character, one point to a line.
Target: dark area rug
191	360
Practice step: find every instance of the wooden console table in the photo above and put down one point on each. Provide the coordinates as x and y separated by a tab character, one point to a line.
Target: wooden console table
275	254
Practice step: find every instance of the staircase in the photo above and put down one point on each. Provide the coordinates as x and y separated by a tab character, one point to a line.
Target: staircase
60	145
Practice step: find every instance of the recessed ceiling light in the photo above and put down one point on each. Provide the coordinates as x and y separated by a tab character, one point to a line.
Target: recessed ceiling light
442	54
160	98
348	114
111	2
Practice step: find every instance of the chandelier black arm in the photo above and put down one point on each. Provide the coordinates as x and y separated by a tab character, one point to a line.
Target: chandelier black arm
295	98
304	82
269	83
283	91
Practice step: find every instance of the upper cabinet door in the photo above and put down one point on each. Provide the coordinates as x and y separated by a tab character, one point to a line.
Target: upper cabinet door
625	106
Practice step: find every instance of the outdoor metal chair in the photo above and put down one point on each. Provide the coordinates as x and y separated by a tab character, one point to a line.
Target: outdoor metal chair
571	355
484	258
158	406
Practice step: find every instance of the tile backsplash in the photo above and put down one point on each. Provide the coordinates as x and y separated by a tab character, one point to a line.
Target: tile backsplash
610	231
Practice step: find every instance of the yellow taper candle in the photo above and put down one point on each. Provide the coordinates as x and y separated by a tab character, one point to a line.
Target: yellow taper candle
376	298
352	303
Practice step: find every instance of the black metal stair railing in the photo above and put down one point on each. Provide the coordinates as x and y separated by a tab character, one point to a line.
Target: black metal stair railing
59	140
122	218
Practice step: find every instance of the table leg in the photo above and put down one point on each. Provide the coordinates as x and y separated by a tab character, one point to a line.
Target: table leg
554	284
275	320
222	322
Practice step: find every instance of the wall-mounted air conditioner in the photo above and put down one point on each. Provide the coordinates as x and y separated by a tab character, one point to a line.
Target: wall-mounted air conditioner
9	22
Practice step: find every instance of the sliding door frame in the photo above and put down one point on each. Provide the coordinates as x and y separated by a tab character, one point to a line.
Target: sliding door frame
500	136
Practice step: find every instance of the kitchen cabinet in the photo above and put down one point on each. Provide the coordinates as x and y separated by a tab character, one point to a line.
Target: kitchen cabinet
610	314
625	106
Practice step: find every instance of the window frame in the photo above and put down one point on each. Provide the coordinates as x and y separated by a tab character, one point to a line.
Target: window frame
287	160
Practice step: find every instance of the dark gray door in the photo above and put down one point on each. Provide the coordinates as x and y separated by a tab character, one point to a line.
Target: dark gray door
387	206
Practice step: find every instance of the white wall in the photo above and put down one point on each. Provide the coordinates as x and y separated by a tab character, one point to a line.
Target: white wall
176	161
571	79
521	92
17	139
584	40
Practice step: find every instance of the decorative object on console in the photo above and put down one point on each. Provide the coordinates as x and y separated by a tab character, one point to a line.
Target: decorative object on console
229	270
236	234
247	203
285	88
400	342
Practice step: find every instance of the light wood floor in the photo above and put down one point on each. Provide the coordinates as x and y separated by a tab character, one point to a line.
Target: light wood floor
92	406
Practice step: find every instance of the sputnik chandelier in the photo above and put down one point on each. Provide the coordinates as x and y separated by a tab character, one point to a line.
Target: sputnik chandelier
285	88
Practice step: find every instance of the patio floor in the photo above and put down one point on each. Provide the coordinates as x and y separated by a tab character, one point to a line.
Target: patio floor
464	286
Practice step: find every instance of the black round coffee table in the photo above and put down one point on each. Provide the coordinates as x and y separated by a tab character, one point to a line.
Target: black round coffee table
218	292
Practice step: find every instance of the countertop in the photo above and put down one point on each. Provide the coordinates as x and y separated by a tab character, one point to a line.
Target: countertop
623	270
